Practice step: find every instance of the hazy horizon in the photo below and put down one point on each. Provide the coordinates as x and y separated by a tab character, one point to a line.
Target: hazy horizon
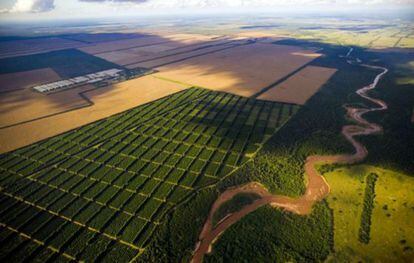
19	11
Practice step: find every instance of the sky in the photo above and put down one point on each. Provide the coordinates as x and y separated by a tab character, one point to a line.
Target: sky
72	9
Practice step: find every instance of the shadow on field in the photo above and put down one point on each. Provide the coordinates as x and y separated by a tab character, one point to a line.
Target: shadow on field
73	55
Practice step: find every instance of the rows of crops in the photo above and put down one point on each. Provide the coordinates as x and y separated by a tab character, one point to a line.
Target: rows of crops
99	192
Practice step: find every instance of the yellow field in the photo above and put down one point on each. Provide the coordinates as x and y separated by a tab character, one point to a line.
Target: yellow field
25	105
385	41
407	43
392	228
107	101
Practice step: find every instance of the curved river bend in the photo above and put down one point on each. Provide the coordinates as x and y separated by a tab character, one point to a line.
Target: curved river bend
317	188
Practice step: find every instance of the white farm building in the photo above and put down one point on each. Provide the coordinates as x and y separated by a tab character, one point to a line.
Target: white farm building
81	80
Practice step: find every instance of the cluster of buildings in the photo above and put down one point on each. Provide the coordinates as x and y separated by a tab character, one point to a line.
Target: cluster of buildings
110	74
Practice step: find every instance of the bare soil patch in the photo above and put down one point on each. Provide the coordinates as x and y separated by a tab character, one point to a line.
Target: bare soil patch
242	70
107	101
300	87
27	79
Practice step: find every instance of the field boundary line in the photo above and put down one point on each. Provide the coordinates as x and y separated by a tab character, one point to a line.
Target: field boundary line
123	49
89	102
202	54
41	243
184	52
215	104
196	190
22	200
173	81
156	44
186	199
281	80
95	143
91	199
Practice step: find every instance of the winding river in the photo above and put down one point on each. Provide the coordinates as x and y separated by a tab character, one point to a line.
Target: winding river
317	188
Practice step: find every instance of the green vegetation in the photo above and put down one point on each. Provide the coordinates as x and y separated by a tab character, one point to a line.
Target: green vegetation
118	178
315	129
144	180
271	235
368	206
393	149
233	205
280	174
175	239
67	63
366	34
390	219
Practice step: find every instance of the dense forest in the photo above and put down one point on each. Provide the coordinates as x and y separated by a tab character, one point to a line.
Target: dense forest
315	129
368	206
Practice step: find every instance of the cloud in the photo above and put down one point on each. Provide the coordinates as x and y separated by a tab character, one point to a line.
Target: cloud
249	3
253	3
37	6
116	1
268	3
32	6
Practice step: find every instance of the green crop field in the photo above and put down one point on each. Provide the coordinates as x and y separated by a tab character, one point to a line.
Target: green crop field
109	184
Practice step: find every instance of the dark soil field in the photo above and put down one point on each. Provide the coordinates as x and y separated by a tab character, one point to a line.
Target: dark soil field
67	63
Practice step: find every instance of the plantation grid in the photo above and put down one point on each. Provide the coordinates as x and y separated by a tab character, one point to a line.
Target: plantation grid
100	191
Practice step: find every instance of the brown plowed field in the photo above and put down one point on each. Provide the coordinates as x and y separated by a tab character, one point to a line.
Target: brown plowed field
300	87
143	41
27	79
174	57
146	53
243	70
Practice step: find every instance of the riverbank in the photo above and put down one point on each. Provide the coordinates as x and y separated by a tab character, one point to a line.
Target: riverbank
316	189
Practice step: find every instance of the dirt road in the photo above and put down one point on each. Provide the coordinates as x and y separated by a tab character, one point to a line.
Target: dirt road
317	187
